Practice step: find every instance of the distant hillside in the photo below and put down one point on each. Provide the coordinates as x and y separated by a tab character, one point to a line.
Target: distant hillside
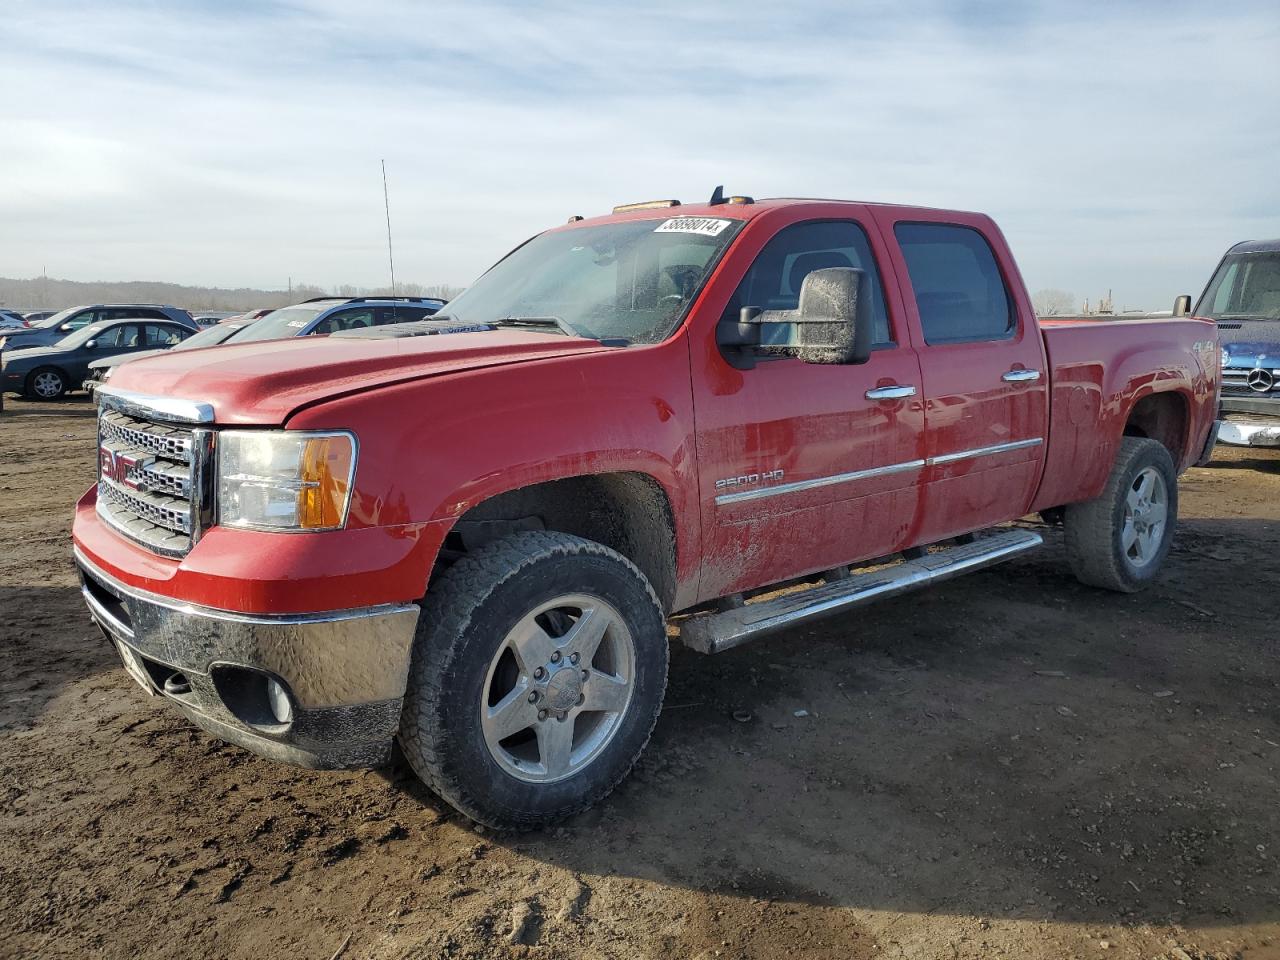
47	293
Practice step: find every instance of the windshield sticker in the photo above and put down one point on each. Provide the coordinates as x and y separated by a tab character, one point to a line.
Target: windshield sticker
705	226
297	323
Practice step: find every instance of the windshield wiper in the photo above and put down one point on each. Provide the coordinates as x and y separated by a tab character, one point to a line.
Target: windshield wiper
550	323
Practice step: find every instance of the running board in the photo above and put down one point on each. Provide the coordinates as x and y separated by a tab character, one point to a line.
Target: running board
714	632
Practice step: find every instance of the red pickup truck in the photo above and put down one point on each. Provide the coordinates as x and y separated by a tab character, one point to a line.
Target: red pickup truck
471	533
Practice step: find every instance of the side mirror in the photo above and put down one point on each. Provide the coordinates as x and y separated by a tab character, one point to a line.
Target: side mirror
831	323
91	344
66	328
1182	305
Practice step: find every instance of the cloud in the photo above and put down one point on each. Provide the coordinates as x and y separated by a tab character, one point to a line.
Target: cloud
1120	145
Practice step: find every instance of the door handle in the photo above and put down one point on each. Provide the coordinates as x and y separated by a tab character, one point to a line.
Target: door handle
894	392
1021	376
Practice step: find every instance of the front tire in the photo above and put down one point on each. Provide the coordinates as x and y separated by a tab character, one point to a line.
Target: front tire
538	673
1120	540
46	383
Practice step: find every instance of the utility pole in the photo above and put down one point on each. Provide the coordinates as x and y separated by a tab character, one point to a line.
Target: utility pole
387	205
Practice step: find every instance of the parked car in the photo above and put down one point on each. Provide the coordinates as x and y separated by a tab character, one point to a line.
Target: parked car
35	315
12	320
493	512
100	370
1243	296
47	332
330	314
46	373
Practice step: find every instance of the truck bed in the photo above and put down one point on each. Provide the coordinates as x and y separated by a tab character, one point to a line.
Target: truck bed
1098	368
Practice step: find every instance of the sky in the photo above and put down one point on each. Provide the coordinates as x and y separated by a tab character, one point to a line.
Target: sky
237	143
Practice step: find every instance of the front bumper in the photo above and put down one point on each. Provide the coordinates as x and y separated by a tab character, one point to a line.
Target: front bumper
344	672
1259	433
1250	421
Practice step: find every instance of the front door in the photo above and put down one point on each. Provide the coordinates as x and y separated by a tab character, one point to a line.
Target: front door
804	467
984	370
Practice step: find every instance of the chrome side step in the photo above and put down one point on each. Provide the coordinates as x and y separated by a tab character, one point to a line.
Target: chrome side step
714	632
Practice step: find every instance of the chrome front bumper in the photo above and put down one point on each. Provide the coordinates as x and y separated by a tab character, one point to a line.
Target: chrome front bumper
1260	433
343	672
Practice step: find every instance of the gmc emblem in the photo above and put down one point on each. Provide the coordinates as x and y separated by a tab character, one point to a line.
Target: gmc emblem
118	466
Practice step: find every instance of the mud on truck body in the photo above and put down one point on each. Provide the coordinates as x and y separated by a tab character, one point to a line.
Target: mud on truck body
470	534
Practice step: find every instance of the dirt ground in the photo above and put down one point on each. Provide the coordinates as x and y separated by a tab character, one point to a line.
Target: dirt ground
1010	765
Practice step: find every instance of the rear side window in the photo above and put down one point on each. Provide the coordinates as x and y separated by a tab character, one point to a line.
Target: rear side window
162	336
959	291
774	280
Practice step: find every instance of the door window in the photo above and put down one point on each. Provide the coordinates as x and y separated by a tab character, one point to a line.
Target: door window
774	280
81	319
959	291
123	336
345	320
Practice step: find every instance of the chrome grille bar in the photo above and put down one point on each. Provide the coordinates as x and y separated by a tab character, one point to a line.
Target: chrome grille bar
151	479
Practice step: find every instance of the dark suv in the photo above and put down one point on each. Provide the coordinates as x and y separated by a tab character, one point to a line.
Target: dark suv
47	332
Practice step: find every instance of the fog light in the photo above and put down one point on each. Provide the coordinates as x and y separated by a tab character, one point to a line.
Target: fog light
279	702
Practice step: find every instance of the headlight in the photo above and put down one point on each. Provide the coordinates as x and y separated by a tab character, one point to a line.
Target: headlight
284	480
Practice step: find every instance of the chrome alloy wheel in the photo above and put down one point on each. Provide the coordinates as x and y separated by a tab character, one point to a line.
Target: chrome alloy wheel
558	688
47	384
1146	512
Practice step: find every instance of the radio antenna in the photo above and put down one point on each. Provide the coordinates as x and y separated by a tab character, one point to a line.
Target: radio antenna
387	204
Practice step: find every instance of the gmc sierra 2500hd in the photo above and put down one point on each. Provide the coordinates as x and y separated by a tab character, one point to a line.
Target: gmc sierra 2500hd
469	533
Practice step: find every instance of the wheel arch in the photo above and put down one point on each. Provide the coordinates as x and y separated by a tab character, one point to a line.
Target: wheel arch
626	510
1164	416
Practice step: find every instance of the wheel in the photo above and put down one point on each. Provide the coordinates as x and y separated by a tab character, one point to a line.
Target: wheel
46	383
1120	540
538	672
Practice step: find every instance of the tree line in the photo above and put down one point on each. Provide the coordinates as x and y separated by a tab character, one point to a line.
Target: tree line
48	293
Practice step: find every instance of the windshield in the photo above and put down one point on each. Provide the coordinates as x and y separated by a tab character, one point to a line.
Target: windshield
632	281
288	322
1246	287
210	336
80	337
60	317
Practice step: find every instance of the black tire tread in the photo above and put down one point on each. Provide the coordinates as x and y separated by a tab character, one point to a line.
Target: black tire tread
446	616
1089	527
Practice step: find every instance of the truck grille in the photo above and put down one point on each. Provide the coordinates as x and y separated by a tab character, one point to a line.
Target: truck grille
149	480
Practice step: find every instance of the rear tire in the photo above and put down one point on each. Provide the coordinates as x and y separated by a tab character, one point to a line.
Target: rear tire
497	718
46	383
1120	540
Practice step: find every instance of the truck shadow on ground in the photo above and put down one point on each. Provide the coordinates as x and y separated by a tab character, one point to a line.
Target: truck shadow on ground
49	644
1012	745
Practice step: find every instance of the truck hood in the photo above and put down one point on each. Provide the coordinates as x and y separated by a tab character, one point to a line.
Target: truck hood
1245	353
264	382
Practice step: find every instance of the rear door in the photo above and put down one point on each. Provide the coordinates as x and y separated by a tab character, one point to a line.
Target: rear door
982	360
804	467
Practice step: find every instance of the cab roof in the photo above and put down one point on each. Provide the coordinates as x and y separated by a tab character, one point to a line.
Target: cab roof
739	211
1256	246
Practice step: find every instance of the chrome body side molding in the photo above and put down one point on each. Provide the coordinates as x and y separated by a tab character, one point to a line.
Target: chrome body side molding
760	493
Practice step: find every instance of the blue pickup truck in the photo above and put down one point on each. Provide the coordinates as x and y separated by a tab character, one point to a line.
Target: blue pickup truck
1243	297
